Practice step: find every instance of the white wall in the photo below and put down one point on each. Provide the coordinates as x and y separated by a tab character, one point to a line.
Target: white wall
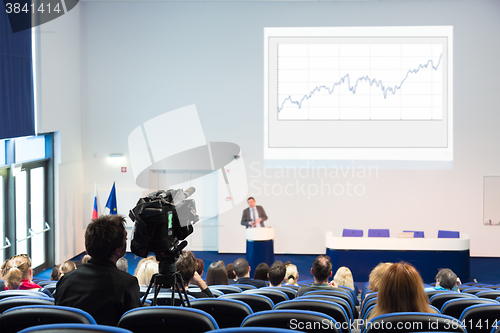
60	111
141	59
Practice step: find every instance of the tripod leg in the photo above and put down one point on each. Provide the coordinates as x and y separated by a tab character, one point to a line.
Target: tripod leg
147	290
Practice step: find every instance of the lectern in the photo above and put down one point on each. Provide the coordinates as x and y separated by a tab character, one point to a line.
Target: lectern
260	246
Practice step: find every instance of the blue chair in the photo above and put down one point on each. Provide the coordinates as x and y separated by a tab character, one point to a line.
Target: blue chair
352	233
226	312
337	300
307	321
226	289
243	287
448	234
74	328
403	322
439	299
494	294
15	293
367	305
21	317
290	293
336	293
12	302
165	298
416	234
480	318
378	233
455	307
167	318
256	302
334	310
275	295
255	330
474	291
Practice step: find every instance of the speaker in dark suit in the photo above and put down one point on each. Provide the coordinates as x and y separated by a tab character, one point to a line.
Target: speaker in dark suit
253	216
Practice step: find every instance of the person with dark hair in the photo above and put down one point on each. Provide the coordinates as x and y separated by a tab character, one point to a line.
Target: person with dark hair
231	277
199	266
277	273
99	287
216	273
186	265
401	289
253	216
321	271
242	271
261	272
446	279
56	273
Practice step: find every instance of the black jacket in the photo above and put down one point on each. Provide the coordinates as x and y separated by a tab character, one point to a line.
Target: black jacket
100	289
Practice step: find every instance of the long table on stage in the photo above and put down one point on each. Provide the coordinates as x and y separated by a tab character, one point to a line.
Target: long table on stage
428	255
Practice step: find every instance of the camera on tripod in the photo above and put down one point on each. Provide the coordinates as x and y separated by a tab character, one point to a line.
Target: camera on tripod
162	221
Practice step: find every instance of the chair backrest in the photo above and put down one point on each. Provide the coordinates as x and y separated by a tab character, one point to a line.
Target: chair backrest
165	298
74	328
480	318
439	299
14	293
255	330
416	234
455	307
294	287
243	287
402	322
378	233
167	318
256	302
367	313
368	297
448	234
352	233
345	304
307	321
12	302
489	294
336	293
226	289
18	318
214	291
226	312
290	293
334	310
431	293
475	290
275	295
43	283
368	304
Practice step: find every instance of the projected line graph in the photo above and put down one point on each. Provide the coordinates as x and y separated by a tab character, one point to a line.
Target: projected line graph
359	82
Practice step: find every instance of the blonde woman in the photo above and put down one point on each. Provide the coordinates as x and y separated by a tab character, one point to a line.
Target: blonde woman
145	270
291	275
376	275
343	278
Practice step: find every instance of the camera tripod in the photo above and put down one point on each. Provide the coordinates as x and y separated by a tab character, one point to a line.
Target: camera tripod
167	278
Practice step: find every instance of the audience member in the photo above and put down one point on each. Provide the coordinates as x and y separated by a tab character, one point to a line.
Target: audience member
19	275
146	268
401	289
216	273
446	279
85	259
343	278
2	275
56	273
291	275
200	265
261	272
242	271
99	287
186	265
376	275
231	277
321	271
122	264
277	273
66	267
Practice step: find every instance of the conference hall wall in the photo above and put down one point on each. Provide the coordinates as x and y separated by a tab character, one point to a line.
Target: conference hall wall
142	59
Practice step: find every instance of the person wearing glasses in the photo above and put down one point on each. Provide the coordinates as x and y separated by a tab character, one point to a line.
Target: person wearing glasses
19	275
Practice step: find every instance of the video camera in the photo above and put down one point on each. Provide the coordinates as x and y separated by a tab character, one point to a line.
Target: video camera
162	220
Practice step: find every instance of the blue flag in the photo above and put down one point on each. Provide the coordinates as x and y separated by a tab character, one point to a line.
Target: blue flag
111	203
